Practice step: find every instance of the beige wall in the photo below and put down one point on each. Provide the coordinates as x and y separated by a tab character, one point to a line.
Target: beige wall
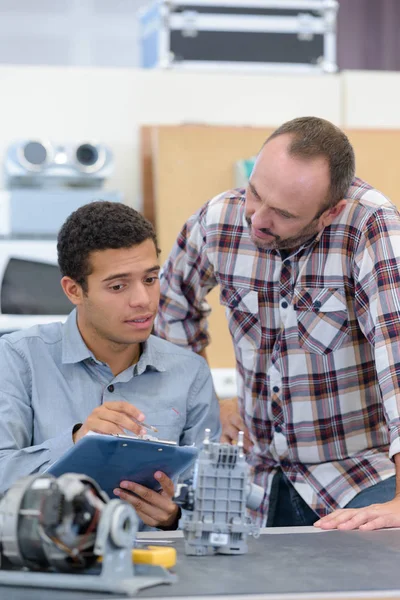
371	99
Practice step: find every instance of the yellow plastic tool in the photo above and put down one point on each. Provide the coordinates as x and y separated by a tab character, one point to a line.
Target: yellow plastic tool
162	556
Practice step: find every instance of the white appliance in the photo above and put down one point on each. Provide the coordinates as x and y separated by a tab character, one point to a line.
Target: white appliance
41	163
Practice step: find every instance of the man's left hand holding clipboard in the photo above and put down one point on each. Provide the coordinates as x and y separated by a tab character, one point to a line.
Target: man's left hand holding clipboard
156	509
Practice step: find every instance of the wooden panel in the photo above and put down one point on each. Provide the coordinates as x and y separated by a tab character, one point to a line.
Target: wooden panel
196	163
147	174
378	159
191	165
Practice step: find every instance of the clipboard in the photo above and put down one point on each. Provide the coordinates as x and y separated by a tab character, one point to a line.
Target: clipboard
111	459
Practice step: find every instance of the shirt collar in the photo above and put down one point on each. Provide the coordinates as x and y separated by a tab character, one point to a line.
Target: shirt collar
150	358
74	350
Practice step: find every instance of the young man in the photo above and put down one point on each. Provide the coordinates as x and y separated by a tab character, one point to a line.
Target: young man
102	370
308	262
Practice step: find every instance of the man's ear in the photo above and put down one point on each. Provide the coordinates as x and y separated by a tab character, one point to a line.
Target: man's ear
72	290
332	213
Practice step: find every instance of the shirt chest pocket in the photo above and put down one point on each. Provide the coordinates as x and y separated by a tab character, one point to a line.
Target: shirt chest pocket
241	307
322	319
169	423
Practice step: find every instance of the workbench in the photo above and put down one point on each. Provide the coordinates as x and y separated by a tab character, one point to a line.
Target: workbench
282	564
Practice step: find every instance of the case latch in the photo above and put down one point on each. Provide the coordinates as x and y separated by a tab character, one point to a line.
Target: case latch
189	28
305	27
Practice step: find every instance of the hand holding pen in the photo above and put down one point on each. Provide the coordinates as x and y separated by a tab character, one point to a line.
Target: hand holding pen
144	425
113	418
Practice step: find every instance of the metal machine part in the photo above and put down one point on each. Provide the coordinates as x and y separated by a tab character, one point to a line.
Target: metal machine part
59	528
46	522
216	518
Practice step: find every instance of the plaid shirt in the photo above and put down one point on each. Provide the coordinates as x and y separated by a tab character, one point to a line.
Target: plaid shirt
316	336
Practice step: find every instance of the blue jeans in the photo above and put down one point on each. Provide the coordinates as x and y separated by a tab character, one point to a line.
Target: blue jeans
288	509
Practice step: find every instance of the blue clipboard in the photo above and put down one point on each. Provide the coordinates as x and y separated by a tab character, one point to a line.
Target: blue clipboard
112	459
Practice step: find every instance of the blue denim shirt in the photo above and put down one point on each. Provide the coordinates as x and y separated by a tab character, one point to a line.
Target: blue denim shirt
49	381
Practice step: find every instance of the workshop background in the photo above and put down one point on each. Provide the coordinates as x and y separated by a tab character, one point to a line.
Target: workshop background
81	118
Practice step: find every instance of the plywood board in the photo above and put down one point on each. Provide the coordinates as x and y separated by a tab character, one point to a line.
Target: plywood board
378	159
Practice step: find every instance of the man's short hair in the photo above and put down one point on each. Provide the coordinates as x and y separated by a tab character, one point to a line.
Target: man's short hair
313	137
96	226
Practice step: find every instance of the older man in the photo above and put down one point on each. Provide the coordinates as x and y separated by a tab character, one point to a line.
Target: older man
307	260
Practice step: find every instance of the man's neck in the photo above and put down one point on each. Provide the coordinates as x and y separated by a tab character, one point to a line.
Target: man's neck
118	357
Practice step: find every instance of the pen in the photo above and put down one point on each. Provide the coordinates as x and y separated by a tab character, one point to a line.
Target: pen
144	425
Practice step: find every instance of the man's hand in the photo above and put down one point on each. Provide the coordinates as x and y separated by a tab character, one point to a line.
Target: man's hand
376	516
112	417
156	509
232	423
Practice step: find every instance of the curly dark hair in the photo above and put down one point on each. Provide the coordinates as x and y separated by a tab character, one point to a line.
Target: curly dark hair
95	226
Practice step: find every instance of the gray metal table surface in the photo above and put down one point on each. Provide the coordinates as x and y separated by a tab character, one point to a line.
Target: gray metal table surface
286	563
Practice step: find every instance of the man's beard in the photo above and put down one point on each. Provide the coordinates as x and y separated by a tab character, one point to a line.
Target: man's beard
280	243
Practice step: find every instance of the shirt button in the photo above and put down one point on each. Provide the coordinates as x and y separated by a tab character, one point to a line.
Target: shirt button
284	304
275	389
110	388
278	428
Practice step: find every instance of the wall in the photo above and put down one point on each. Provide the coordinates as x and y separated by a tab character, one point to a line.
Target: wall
371	99
73	104
111	105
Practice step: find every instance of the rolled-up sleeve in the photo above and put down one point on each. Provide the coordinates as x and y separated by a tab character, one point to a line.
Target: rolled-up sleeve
377	294
186	278
17	457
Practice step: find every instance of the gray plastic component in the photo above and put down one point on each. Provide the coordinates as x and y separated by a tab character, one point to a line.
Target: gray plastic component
222	492
255	495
